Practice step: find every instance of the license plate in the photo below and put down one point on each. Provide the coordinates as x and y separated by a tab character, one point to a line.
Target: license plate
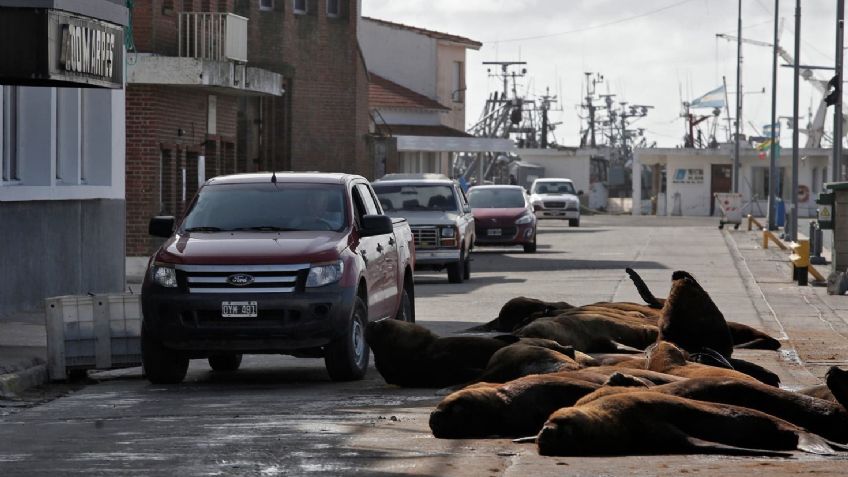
238	309
494	232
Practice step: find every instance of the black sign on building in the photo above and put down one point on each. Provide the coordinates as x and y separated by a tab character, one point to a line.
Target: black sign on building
62	43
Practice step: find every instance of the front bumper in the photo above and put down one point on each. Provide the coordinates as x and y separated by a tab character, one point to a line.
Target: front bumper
436	257
557	214
515	235
286	322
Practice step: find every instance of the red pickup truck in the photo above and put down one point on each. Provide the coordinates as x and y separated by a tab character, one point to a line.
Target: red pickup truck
268	263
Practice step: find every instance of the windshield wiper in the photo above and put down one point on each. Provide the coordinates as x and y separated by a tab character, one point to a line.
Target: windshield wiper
268	228
204	229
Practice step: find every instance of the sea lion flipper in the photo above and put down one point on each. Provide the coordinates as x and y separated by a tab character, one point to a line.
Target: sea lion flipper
623	348
813	444
525	440
643	289
709	447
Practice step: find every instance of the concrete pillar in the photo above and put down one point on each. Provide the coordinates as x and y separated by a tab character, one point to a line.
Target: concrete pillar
637	185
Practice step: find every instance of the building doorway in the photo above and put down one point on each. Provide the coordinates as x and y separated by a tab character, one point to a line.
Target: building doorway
721	180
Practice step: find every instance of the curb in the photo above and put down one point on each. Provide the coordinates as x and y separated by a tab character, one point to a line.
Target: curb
14	383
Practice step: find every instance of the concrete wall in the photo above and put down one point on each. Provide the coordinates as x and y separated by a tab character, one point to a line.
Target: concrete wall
53	248
448	54
404	57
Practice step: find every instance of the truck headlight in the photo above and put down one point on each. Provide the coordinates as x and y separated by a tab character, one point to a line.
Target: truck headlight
321	275
448	232
164	275
524	219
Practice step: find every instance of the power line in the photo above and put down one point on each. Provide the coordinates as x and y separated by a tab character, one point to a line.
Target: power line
594	27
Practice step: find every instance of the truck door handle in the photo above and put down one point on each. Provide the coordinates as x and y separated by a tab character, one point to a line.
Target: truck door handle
379	248
391	240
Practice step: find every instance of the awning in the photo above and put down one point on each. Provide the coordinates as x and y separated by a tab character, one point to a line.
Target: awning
453	144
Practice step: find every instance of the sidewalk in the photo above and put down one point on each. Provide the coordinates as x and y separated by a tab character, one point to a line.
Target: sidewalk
23	353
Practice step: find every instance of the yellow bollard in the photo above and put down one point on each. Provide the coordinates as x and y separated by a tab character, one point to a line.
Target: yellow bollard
800	259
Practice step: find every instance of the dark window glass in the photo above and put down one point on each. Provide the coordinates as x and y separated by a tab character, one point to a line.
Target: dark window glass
416	197
496	199
553	188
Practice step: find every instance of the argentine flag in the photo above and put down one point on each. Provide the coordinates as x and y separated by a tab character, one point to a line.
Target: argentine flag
713	99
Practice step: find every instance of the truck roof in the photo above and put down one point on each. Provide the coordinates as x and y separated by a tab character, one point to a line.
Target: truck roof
308	177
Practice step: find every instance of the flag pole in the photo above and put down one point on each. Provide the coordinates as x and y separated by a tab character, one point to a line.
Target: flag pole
772	198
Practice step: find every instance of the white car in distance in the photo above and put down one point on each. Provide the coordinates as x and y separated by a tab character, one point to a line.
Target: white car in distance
555	198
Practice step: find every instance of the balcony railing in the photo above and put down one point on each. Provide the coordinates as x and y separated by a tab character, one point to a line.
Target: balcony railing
213	36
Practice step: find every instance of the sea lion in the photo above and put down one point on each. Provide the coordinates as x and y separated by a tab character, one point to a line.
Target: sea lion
518	311
654	377
591	333
523	359
743	336
691	320
647	422
665	357
410	355
828	419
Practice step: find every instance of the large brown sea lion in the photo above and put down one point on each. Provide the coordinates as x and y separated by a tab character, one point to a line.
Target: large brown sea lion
410	355
518	311
665	357
743	336
691	320
523	359
517	408
828	419
647	422
591	333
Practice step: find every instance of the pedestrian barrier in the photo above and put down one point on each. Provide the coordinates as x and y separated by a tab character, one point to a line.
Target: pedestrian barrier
800	261
92	332
752	221
770	236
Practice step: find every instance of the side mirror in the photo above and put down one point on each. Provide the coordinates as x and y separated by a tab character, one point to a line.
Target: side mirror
161	226
579	192
372	225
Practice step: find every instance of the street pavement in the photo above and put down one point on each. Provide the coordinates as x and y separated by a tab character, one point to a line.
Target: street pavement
282	416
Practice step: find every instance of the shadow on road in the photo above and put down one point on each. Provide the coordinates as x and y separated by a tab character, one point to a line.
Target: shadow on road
526	263
569	230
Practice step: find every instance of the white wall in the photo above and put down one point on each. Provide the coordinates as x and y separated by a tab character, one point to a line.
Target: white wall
401	56
448	54
71	145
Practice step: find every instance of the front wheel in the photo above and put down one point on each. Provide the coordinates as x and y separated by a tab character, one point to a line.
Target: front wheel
530	247
161	365
466	272
225	362
456	270
346	358
406	312
574	222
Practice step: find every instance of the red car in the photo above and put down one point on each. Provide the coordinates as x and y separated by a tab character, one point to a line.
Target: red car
503	216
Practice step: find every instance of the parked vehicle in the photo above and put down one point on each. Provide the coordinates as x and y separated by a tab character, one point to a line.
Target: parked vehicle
556	199
439	216
503	216
274	263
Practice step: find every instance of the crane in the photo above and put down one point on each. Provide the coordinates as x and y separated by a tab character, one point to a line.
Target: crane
815	130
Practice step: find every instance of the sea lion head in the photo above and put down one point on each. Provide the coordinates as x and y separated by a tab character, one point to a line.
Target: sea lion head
691	320
663	355
475	411
567	432
837	382
395	334
627	380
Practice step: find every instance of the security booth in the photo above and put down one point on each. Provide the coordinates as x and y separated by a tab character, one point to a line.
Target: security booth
833	215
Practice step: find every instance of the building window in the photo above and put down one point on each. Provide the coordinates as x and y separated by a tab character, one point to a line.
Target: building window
458	82
815	180
760	182
300	7
266	5
9	134
334	8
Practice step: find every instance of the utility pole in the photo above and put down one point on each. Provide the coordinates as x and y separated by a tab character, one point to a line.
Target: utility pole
836	167
772	198
795	129
739	96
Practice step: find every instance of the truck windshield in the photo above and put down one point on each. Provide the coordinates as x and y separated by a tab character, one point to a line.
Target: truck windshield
416	197
268	207
553	188
496	198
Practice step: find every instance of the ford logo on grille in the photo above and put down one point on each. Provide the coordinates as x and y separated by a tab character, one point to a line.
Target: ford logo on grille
240	280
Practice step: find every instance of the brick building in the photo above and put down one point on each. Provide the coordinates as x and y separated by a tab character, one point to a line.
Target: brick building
227	86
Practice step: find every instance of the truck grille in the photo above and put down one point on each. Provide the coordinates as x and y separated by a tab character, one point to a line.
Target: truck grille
554	205
425	237
261	278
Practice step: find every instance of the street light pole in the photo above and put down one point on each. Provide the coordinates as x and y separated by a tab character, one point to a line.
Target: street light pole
836	172
738	100
795	124
772	198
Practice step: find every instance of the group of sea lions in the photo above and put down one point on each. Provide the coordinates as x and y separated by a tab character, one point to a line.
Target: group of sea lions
614	378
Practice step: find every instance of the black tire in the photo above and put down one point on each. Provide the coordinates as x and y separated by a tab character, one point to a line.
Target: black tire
530	247
456	271
225	362
574	222
466	272
346	359
406	310
161	365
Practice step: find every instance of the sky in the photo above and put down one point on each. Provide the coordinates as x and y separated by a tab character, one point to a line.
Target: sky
652	52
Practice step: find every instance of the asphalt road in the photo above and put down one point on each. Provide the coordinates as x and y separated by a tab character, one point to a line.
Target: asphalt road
282	416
